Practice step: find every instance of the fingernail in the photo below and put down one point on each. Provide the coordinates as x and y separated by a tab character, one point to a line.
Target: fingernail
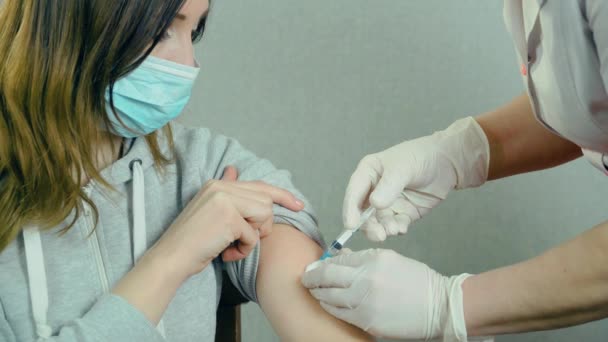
299	203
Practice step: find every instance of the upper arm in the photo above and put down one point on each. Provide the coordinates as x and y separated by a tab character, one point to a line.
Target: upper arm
284	255
223	152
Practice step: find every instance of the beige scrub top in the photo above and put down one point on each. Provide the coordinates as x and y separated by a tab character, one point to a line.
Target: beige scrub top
562	49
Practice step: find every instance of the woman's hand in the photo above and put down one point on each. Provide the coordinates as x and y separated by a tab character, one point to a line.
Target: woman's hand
226	217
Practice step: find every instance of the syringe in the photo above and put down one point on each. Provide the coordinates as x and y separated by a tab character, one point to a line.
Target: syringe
339	242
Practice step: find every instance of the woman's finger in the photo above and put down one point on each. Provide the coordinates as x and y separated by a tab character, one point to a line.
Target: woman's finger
253	211
264	228
231	174
278	195
246	240
234	189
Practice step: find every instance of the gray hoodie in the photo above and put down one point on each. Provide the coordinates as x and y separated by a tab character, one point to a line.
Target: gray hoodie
56	287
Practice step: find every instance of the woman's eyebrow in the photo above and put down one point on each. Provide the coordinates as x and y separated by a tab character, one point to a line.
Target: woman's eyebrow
181	16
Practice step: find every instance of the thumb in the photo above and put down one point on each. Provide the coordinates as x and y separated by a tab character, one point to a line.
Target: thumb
389	188
230	174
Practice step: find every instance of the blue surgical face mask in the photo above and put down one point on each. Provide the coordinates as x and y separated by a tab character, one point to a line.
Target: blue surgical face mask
150	96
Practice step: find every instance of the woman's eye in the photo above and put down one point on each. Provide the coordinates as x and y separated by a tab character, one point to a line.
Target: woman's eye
195	34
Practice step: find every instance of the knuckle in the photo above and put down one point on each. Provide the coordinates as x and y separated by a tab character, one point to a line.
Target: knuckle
235	220
235	229
381	256
268	212
368	160
211	185
227	239
220	202
259	183
267	201
218	197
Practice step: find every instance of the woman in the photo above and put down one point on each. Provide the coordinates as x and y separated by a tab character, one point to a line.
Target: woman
92	173
563	50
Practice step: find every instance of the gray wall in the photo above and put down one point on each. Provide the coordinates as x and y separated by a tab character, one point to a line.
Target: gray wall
315	85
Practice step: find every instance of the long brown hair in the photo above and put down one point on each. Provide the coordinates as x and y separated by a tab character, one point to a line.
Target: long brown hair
58	58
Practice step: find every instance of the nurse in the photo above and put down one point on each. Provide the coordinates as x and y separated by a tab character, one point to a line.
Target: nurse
562	47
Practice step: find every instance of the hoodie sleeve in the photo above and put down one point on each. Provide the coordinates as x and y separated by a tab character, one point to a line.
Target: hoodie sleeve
221	152
110	319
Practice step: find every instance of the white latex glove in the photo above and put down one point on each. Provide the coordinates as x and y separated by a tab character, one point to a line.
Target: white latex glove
406	181
390	296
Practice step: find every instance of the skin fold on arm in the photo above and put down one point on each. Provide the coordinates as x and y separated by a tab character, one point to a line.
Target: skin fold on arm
293	313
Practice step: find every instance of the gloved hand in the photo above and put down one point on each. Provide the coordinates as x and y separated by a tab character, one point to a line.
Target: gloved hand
407	180
389	295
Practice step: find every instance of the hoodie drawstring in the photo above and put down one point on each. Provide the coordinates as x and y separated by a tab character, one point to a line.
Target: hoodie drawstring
138	203
36	274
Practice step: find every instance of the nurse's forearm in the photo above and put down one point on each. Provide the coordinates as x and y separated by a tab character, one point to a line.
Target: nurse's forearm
519	143
565	286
